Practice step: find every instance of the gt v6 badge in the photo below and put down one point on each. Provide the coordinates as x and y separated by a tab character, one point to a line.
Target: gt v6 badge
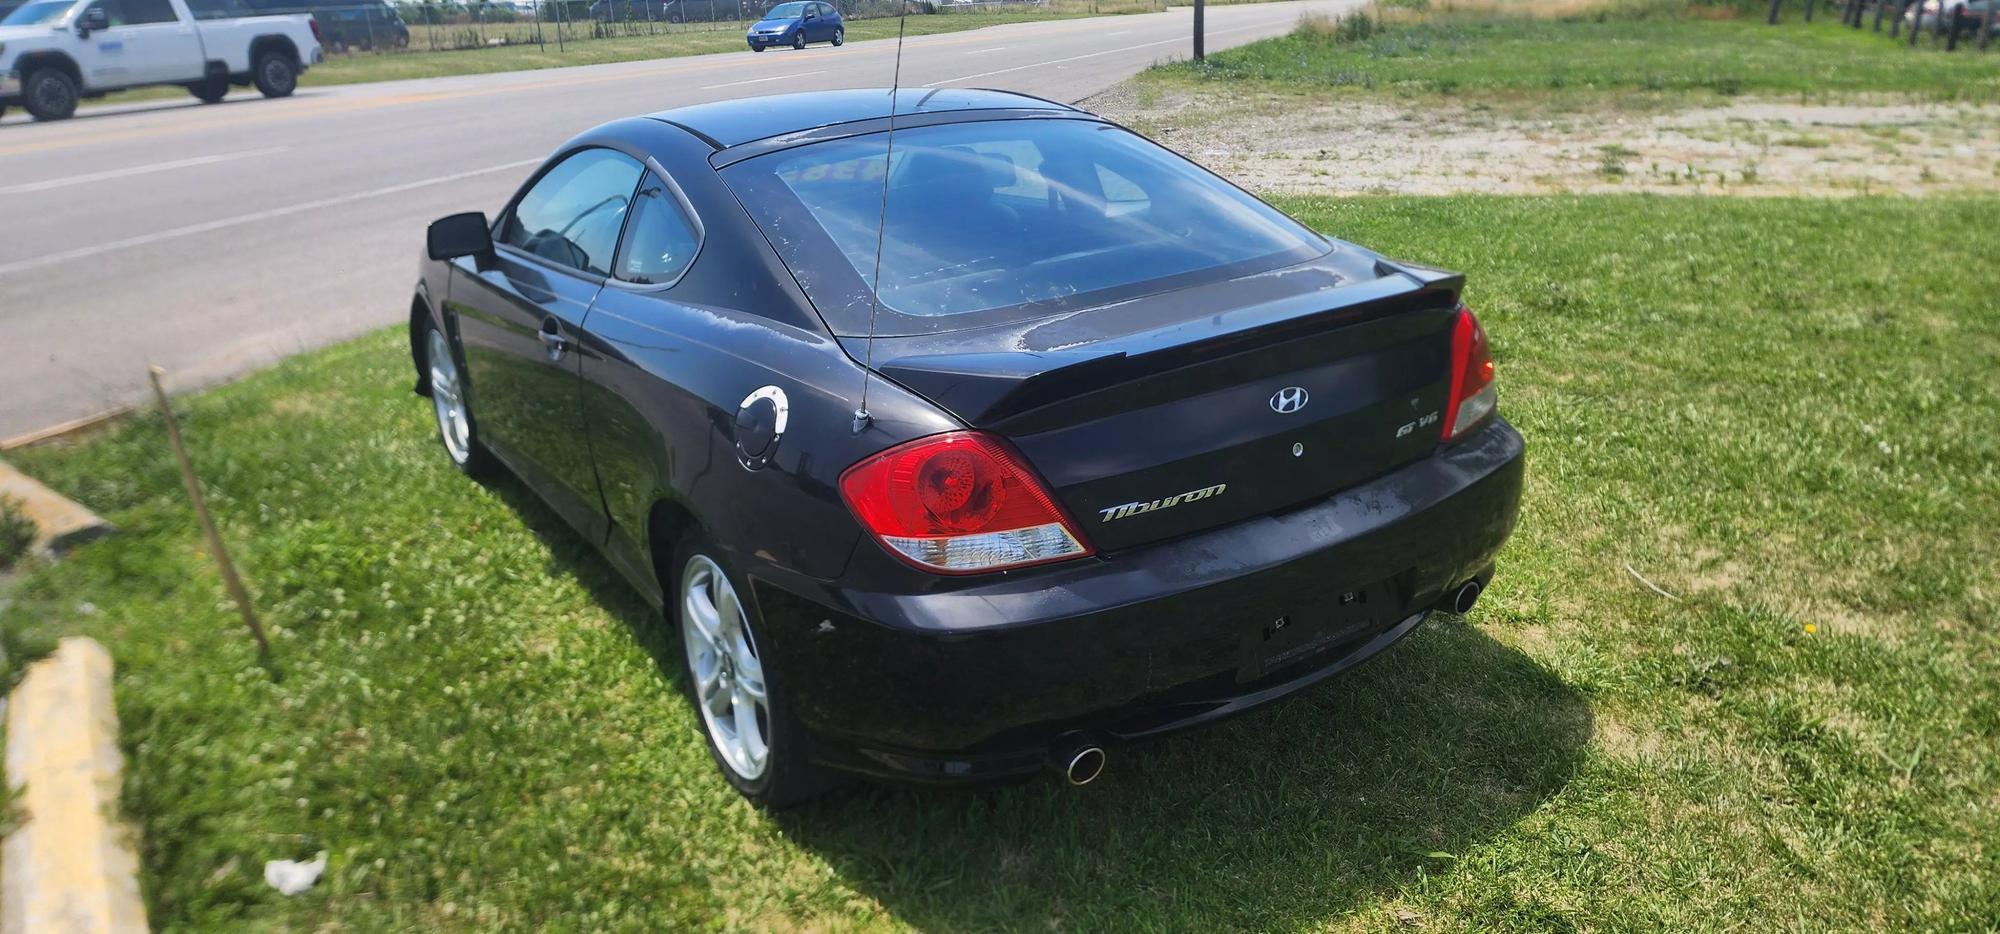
1424	422
1134	509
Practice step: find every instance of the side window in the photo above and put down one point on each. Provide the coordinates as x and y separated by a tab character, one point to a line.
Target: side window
1121	195
572	214
145	12
114	12
661	241
1027	181
215	9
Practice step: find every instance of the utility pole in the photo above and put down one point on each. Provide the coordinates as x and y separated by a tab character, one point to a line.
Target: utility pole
1199	9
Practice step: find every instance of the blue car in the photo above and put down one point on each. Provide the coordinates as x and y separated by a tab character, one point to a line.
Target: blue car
797	23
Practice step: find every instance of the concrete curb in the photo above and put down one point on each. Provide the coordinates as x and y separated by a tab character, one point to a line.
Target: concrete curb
75	426
70	866
61	523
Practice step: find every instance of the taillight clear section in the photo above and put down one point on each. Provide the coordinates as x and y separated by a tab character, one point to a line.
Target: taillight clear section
1473	396
959	503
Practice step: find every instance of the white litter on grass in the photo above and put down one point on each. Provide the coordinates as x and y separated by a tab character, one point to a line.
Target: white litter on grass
290	877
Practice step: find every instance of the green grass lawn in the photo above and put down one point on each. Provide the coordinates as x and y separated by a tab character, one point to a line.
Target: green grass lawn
1771	408
1624	57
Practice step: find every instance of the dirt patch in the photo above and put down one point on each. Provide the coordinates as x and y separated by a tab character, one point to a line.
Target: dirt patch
1292	144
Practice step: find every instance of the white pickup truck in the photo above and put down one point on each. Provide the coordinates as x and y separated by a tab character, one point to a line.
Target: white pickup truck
55	52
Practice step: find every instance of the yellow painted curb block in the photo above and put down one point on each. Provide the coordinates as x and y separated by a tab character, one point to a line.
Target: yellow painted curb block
61	522
70	866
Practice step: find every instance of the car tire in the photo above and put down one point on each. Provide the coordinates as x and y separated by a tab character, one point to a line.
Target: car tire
839	35
722	665
276	74
49	94
451	405
210	90
799	41
756	48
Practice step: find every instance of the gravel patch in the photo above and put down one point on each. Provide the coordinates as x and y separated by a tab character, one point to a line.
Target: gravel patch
1293	144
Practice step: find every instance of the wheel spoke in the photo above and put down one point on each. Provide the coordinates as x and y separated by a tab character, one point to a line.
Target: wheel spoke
752	689
720	703
706	682
707	622
748	732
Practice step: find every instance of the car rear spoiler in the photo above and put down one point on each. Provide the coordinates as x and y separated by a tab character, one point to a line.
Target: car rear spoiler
987	387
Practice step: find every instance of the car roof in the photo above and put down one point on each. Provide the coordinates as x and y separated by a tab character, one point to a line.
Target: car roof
734	122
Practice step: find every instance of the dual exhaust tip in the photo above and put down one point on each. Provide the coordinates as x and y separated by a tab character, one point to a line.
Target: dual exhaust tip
1462	600
1078	757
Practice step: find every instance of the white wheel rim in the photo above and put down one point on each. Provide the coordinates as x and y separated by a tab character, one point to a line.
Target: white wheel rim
448	399
729	684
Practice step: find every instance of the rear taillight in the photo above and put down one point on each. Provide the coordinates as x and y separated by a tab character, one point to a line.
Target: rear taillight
1472	393
959	503
315	28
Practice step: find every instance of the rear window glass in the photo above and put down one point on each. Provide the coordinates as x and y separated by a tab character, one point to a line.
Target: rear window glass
1005	218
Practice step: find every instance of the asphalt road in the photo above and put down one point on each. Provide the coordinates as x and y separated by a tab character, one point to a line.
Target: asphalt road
213	240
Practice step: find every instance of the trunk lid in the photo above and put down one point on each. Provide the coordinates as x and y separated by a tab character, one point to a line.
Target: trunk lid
1192	409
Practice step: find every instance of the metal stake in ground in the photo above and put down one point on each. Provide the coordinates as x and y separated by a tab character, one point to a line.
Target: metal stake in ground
1200	27
221	554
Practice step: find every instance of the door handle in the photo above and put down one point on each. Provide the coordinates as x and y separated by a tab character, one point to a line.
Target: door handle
553	343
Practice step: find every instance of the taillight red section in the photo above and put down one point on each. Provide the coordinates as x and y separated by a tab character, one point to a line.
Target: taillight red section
1473	396
959	503
317	37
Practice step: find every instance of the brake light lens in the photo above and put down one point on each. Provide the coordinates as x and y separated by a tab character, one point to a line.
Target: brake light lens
960	503
314	20
1473	396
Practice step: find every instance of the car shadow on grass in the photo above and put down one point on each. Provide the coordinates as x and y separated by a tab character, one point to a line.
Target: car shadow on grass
1288	816
1292	815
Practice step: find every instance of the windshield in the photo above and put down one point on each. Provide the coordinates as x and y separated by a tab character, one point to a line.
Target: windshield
1009	217
41	13
786	11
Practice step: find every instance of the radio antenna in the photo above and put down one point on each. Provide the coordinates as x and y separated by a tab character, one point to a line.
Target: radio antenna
861	416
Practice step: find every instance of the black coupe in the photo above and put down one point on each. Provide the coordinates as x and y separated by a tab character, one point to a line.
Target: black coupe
968	450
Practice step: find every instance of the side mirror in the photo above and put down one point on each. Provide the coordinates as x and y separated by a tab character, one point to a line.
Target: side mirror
466	234
94	19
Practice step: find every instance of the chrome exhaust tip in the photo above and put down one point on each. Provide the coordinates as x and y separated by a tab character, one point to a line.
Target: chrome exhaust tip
1467	595
1079	758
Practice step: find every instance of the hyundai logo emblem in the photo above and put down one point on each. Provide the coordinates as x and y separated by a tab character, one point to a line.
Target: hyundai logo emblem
1289	399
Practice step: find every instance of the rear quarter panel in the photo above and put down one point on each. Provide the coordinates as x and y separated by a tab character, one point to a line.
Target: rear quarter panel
229	40
666	370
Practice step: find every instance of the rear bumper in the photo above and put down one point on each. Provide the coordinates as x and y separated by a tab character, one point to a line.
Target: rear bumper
976	682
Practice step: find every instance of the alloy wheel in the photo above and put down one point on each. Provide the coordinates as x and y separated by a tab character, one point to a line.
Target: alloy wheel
448	399
729	685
